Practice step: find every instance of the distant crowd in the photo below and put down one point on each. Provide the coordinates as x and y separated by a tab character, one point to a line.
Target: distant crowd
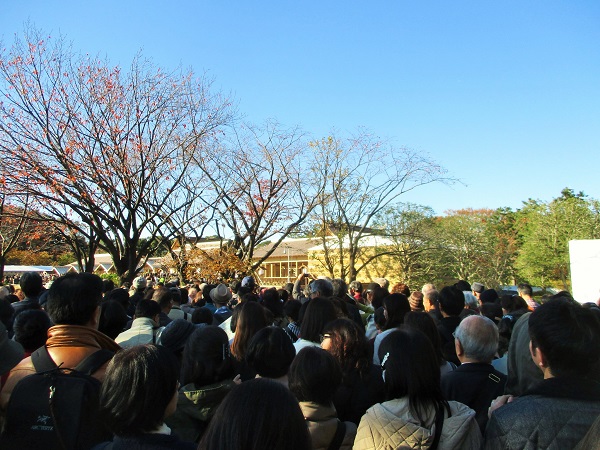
315	364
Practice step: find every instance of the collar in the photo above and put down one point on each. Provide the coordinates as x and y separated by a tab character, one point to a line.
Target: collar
567	387
163	429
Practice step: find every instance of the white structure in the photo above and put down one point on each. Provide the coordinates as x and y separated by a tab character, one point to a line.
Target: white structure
585	269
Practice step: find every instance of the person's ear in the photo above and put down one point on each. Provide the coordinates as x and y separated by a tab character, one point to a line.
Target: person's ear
538	357
460	351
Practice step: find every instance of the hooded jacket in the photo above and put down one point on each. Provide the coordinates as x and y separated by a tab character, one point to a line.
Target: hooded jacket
391	425
195	408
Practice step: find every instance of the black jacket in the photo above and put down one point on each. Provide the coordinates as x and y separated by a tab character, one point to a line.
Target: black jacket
475	385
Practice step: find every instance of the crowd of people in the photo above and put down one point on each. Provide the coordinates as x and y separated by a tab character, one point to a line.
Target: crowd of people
315	364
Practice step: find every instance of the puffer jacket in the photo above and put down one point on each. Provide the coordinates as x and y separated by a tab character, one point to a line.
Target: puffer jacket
554	414
195	408
391	425
322	425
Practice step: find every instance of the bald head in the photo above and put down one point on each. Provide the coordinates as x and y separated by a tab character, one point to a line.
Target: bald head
478	338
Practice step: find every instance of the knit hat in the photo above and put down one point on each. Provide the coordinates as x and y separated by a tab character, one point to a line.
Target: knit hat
140	283
477	287
221	294
176	334
11	352
416	301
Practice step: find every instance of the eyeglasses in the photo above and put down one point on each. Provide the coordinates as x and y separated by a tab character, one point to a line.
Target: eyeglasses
324	336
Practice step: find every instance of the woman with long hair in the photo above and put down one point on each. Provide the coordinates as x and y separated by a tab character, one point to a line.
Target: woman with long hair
251	319
423	322
415	413
259	414
319	312
362	385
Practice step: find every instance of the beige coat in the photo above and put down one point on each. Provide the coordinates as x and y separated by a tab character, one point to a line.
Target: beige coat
322	424
391	425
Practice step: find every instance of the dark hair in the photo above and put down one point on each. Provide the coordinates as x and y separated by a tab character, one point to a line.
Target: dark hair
120	295
568	335
206	292
512	303
113	318
349	346
163	296
379	294
73	298
206	358
283	295
147	308
107	285
379	318
140	383
6	312
462	285
451	300
31	284
251	319
412	370
319	312
270	352
492	311
423	322
202	315
314	376
31	329
291	308
396	306
525	289
233	428
272	302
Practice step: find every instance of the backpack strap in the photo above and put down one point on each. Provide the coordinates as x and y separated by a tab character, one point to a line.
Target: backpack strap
439	424
93	362
42	362
338	437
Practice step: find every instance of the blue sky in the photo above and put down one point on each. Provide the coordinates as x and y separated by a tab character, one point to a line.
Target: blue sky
504	94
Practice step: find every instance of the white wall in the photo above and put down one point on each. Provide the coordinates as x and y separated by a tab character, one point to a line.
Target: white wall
585	269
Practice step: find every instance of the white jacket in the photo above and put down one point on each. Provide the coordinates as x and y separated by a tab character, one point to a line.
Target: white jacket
143	331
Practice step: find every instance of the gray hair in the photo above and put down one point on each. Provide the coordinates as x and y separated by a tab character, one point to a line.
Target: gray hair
322	286
478	337
470	300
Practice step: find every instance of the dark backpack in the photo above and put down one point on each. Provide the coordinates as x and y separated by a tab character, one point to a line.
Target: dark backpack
56	408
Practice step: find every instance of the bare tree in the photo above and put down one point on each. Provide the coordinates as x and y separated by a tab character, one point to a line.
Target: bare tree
110	148
263	184
364	175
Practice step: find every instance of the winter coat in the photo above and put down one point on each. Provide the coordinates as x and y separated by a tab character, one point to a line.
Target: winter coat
391	425
554	414
143	331
195	408
322	424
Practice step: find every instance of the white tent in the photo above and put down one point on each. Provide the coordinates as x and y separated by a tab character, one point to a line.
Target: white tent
22	269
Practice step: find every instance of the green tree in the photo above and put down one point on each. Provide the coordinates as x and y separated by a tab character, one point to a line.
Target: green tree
547	228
